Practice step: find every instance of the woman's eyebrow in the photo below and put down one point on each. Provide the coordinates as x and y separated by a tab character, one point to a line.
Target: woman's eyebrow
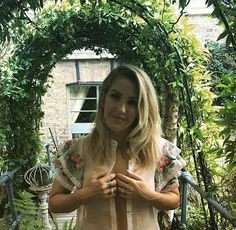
114	90
131	97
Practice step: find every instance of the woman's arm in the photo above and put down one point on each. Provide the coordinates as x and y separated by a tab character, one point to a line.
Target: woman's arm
166	200
62	200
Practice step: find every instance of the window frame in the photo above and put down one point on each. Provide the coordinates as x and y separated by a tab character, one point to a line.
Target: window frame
80	128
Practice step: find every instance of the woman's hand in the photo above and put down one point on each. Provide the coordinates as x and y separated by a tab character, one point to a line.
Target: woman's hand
131	185
101	187
62	200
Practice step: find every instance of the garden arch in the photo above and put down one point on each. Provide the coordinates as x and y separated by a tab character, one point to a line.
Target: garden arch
135	33
132	34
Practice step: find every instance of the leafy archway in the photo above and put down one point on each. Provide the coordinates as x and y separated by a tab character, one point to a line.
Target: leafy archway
128	31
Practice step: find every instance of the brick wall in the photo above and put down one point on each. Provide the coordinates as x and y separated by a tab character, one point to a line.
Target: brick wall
93	70
55	100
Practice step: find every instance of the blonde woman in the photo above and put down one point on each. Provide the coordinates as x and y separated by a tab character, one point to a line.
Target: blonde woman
121	174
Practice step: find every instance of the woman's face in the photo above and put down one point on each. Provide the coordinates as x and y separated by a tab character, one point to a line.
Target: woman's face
120	108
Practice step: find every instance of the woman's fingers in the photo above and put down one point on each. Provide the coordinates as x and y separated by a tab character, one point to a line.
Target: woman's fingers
125	193
125	178
123	184
108	185
133	175
129	185
107	177
111	191
111	184
103	186
125	190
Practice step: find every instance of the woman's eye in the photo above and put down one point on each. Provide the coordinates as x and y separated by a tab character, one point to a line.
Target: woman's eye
115	96
133	102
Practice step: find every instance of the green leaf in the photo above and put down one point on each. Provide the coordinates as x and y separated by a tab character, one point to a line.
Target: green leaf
229	39
182	3
216	12
209	2
222	35
221	85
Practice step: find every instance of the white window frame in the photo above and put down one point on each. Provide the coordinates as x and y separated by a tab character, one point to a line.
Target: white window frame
80	128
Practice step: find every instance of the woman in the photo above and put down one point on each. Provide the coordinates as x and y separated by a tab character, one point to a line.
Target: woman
121	174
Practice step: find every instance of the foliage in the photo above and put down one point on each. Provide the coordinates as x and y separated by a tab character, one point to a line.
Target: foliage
14	12
210	134
225	11
221	63
195	213
66	225
4	223
223	68
28	210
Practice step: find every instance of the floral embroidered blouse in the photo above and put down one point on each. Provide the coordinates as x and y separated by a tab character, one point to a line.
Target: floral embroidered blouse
76	165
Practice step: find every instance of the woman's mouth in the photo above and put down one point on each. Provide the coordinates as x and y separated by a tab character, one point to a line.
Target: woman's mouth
118	118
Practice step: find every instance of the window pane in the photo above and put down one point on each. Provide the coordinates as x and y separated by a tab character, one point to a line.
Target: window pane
92	91
83	103
84	117
90	104
78	91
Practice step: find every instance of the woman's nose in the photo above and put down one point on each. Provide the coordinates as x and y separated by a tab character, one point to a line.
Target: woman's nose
122	107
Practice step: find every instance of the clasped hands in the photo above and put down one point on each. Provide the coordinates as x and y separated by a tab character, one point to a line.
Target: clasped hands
127	186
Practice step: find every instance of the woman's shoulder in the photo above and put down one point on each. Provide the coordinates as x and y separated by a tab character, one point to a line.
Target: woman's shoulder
169	149
71	158
170	163
170	156
74	145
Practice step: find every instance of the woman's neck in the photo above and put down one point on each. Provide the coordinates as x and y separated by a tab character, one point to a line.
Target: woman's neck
122	142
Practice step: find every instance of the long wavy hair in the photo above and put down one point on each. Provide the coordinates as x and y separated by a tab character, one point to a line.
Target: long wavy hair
144	137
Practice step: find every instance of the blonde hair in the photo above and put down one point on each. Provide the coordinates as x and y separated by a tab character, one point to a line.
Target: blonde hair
144	138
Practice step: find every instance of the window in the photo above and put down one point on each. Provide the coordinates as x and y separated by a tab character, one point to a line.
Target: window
82	105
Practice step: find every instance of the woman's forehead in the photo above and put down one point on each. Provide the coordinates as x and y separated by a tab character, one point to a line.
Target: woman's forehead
124	86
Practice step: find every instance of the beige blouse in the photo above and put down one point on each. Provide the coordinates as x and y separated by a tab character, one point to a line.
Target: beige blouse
76	165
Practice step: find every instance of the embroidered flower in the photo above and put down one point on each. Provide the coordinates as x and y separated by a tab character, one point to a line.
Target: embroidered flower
77	161
161	168
78	164
74	157
69	143
165	164
167	161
